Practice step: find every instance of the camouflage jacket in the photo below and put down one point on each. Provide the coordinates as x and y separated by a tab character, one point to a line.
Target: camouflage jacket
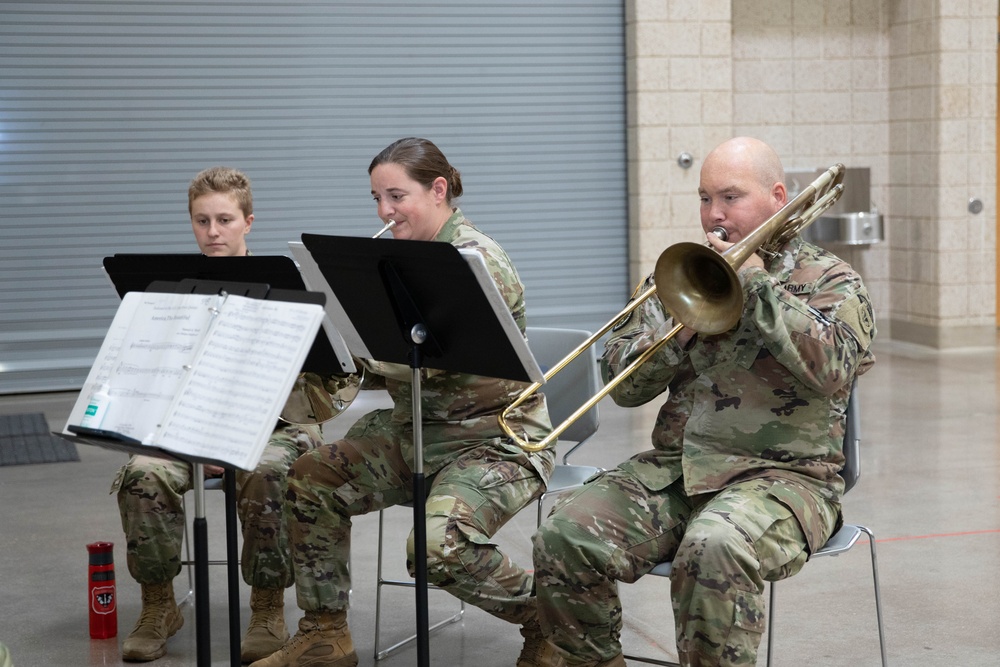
460	411
764	399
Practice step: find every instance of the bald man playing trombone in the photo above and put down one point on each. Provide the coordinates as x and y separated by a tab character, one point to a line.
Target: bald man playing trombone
742	482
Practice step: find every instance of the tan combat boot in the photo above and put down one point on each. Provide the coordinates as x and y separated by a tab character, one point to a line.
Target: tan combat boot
536	652
266	632
617	661
160	618
323	640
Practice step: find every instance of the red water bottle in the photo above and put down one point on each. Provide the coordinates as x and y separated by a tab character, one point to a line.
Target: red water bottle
103	602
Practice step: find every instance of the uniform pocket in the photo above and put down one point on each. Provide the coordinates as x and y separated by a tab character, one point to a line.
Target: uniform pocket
806	508
724	628
749	623
502	472
749	613
748	347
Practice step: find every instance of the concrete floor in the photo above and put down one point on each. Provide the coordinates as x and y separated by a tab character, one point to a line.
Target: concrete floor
930	490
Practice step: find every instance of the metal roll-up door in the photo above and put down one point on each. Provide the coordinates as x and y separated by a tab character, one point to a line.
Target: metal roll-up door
108	109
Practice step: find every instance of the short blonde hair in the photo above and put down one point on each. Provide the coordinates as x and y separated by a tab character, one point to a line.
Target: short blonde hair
225	180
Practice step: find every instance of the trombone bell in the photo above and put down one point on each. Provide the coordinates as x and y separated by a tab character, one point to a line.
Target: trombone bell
705	293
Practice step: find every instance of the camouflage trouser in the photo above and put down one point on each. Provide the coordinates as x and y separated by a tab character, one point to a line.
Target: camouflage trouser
468	501
723	547
150	492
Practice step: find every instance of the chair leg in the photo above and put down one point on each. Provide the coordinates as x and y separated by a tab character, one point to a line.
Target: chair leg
878	607
379	583
188	561
878	596
770	626
541	500
650	661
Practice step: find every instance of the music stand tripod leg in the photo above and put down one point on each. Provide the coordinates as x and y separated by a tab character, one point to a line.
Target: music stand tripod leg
418	334
233	568
201	608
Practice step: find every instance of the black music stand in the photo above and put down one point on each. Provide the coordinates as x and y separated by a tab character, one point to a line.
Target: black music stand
421	303
134	272
324	355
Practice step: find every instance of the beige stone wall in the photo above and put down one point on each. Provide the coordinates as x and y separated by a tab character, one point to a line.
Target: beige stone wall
811	78
943	152
906	88
680	99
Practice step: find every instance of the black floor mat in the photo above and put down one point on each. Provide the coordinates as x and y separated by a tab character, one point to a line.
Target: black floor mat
26	438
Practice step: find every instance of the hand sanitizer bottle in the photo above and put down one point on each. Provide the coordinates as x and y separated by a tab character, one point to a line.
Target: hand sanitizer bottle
97	407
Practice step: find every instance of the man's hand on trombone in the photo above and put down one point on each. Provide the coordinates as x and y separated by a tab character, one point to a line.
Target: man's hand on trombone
721	246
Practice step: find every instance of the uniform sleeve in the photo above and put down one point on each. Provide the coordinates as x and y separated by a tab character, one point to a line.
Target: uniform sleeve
823	337
632	336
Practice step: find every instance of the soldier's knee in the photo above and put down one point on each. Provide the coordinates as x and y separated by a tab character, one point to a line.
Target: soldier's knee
300	468
271	469
300	476
138	481
548	544
443	549
714	544
444	540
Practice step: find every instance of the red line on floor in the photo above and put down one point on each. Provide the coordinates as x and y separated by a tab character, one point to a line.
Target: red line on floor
932	535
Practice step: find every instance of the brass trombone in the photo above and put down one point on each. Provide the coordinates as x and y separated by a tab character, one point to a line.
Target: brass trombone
701	290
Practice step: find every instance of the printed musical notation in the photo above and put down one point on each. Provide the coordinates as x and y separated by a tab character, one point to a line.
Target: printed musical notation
132	369
252	350
165	345
200	375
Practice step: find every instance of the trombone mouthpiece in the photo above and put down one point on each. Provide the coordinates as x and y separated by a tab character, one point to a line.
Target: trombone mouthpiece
721	233
389	225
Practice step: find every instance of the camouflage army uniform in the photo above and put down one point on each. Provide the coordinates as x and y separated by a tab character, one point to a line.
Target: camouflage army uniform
477	480
742	484
150	491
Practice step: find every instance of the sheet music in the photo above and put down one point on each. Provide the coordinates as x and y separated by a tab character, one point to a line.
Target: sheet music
200	375
220	408
152	338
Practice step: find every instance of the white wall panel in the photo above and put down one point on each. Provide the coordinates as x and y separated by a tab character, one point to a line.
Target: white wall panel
107	109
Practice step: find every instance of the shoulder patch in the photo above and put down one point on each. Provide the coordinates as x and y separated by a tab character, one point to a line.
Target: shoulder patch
859	317
625	319
620	324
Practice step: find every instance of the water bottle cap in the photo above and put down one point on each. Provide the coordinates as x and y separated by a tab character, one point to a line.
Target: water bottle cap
100	547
